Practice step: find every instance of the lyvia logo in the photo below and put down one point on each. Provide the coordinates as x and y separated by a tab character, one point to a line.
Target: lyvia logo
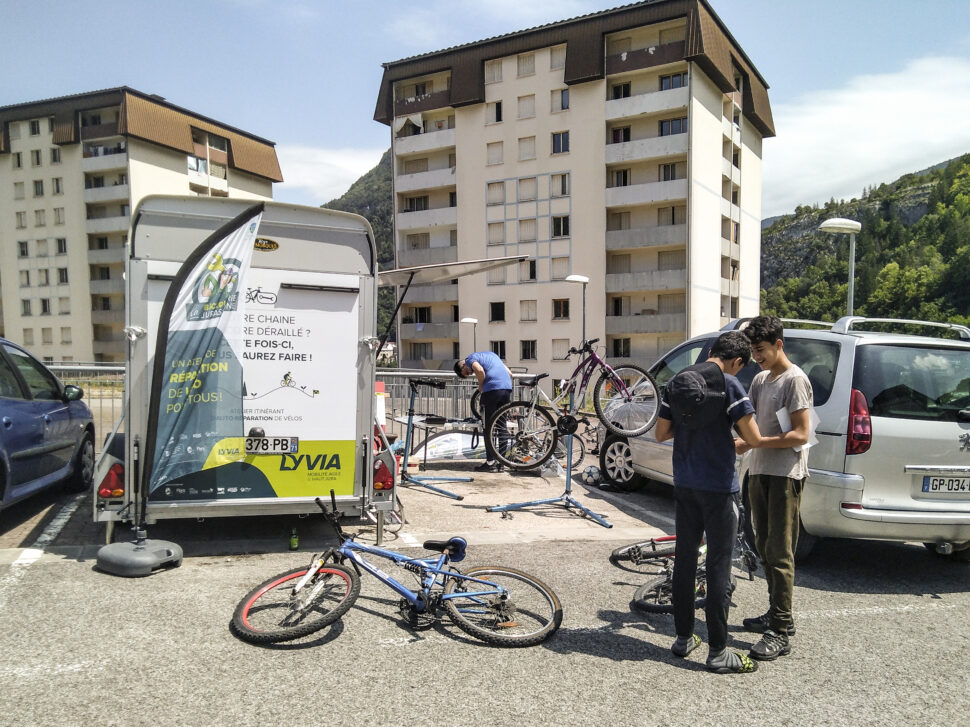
291	462
216	290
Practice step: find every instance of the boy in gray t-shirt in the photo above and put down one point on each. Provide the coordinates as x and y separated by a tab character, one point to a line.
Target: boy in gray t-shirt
781	392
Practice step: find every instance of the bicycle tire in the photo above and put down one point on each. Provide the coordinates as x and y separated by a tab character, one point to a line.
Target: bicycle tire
266	615
628	417
535	608
579	451
655	596
645	551
475	404
530	437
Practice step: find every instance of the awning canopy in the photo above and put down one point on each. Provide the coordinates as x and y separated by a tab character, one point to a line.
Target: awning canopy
420	274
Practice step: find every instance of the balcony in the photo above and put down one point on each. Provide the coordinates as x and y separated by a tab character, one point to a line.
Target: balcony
427	364
427	256
426	331
108	317
427	218
730	249
101	225
649	280
436	100
104	159
656	55
730	130
646	237
650	323
99	131
107	287
641	104
652	147
425	180
730	211
439	293
115	345
731	288
110	193
634	194
105	257
443	139
729	171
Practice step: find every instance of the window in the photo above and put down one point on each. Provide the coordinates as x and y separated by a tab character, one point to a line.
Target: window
35	127
22	249
421	89
672	303
496	276
527	189
560	142
497	347
416	204
452	237
618	264
672	171
101	243
669	127
420	351
560	226
527	230
527	148
493	71
58	215
421	314
527	271
104	273
527	310
671	260
527	106
673	35
18	190
35	159
413	166
672	215
40	218
493	112
55	155
46	335
24	278
61	275
419	241
617	221
43	277
620	178
526	64
452	199
527	350
621	348
559	268
28	336
105	303
615	46
496	233
21	220
494	152
560	349
620	90
42	248
57	185
620	134
65	335
560	309
496	193
560	99
64	305
557	57
676	80
559	185
496	312
25	308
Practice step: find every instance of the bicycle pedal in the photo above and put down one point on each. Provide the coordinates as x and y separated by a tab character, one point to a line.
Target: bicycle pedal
506	515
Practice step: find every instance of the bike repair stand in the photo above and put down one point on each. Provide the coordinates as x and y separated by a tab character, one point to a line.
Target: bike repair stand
567	425
408	479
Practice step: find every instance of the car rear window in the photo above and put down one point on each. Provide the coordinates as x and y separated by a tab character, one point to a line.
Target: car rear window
913	382
819	360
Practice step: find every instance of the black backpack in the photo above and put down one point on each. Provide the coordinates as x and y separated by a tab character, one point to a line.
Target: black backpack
697	395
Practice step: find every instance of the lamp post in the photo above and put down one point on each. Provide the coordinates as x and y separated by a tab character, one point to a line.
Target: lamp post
474	322
584	280
842	226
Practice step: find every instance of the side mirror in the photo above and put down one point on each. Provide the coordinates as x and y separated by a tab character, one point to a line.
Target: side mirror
73	393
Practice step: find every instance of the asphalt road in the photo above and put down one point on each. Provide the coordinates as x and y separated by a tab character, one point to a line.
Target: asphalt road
882	631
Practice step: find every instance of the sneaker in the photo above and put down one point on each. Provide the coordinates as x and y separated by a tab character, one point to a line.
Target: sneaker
683	646
489	467
731	662
760	624
771	646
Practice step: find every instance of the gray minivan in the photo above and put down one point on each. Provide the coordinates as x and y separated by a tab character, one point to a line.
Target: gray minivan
893	455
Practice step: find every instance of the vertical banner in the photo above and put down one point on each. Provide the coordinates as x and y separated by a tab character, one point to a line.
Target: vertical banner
197	380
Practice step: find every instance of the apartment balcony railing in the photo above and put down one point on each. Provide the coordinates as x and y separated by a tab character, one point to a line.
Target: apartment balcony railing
115	345
104	257
730	210
653	102
425	331
106	287
427	218
427	256
730	287
730	130
102	162
646	237
730	171
656	55
435	100
425	180
441	139
107	224
730	249
649	323
648	193
654	146
108	317
99	131
646	281
439	293
109	193
428	364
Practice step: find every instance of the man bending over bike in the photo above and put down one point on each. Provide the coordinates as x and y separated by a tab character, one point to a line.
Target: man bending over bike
495	383
699	407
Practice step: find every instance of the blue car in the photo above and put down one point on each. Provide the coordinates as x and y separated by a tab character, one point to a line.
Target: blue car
46	431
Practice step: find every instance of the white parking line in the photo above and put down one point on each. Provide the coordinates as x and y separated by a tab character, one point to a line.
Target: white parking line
874	610
55	526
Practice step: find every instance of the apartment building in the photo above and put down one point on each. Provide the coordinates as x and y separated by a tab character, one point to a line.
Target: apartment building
72	170
624	146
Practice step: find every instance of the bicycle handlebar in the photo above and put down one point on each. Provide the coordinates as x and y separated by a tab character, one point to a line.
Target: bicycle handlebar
587	346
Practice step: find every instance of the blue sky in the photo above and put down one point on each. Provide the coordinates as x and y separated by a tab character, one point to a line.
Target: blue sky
862	91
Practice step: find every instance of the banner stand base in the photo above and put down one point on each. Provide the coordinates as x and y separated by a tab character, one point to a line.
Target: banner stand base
138	558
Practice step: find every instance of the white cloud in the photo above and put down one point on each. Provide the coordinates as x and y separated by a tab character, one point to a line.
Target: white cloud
876	128
314	175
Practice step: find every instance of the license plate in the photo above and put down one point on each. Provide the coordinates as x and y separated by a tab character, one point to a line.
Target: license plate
946	484
272	445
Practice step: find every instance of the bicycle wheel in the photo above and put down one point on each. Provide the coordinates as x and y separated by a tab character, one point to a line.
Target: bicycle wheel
630	414
527	613
655	596
271	612
475	404
523	436
579	451
645	555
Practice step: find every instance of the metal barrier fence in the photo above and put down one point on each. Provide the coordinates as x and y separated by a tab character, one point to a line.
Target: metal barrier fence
103	386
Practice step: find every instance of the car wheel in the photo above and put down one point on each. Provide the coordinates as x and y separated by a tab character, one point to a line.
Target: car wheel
616	463
83	475
806	544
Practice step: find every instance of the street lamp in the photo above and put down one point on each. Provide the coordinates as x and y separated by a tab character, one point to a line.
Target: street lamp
474	322
842	226
584	280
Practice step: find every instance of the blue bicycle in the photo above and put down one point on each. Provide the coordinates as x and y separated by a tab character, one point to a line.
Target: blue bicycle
498	605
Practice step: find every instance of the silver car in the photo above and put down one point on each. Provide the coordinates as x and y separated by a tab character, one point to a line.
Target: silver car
893	455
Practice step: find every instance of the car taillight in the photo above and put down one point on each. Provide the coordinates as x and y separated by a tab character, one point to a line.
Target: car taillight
113	484
383	477
860	425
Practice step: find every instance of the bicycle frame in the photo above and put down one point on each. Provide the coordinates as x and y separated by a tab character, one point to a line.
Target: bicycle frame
587	366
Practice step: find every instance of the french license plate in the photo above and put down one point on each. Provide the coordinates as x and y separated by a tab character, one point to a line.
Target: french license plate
946	484
272	445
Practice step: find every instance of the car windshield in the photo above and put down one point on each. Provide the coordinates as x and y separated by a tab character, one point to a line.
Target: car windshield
913	382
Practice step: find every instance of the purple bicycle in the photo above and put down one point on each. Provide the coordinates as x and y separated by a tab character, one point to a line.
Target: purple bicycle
524	433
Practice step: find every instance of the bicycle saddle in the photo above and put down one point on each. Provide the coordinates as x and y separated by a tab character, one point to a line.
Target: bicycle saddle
454	547
433	383
532	380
